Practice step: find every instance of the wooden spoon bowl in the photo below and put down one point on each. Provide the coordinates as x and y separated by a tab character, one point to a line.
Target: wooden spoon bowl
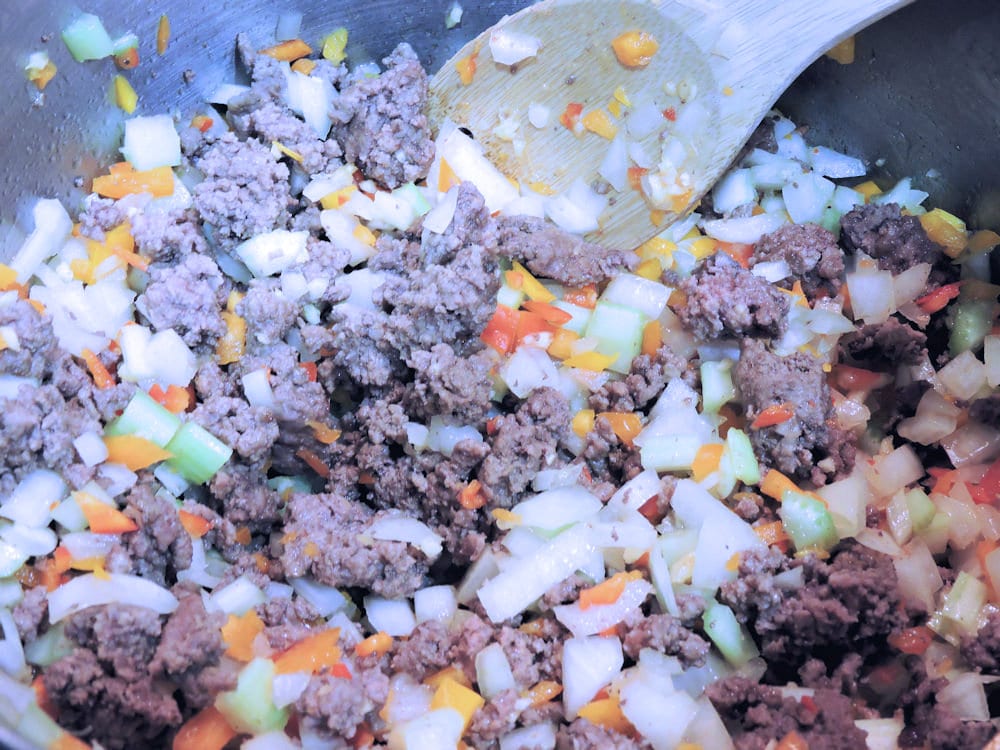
719	67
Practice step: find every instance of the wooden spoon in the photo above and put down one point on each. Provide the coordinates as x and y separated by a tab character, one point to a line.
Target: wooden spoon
719	67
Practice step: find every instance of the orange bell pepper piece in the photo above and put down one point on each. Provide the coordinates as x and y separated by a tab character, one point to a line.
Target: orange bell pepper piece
133	451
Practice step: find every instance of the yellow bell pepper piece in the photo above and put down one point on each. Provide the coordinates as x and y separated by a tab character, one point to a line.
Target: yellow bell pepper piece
583	422
125	96
946	230
590	361
451	694
597	121
520	278
606	712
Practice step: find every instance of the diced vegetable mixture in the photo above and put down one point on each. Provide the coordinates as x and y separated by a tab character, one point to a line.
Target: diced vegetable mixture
316	431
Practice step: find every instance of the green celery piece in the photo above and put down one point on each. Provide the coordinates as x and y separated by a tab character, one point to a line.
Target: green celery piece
972	322
745	465
921	509
728	635
807	521
959	612
197	454
146	419
125	43
618	330
716	385
87	39
250	707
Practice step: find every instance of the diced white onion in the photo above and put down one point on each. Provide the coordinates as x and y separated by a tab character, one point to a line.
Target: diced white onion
588	665
918	575
440	728
645	701
435	603
286	688
894	471
972	443
935	418
326	599
746	230
466	159
272	252
550	479
32	500
226	92
735	189
527	369
517	587
409	530
647	296
539	114
151	142
965	697
161	358
117	588
637	491
257	388
438	219
557	508
644	120
880	541
237	598
443	437
772	270
582	622
903	194
614	166
392	616
509	47
963	376
52	227
493	673
577	209
909	284
830	163
310	97
871	295
90	448
806	197
991	356
117	479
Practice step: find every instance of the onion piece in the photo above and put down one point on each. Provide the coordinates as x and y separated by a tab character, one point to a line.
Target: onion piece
918	575
33	499
582	622
117	588
273	252
894	471
409	530
151	142
972	443
735	189
909	284
535	737
538	115
288	26
963	376
510	47
436	603
392	616
614	166
588	665
438	219
871	295
493	672
577	209
806	197
52	226
747	230
965	697
237	597
257	388
326	599
830	163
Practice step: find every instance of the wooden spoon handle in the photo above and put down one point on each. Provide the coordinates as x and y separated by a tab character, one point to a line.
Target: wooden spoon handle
775	41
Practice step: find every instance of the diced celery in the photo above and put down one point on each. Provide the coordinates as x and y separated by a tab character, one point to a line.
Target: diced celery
830	220
716	385
40	727
618	331
250	707
728	635
581	316
86	39
807	521
146	419
669	452
745	465
510	297
197	454
959	612
49	647
286	485
973	320
935	534
920	508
